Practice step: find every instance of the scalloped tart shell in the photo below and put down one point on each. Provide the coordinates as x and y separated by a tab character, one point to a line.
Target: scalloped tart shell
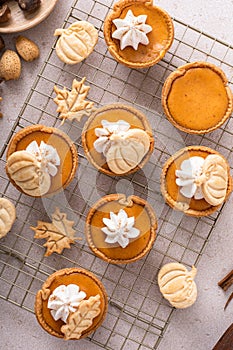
160	38
112	113
145	221
170	189
87	282
56	138
196	98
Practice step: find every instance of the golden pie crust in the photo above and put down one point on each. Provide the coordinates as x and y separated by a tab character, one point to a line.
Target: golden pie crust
160	38
56	138
196	98
145	221
87	282
170	189
112	113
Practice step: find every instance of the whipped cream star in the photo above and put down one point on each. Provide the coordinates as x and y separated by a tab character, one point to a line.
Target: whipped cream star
119	228
46	155
103	142
65	300
131	30
188	177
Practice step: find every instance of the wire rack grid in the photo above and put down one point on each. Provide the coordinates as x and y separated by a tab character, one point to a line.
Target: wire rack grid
138	315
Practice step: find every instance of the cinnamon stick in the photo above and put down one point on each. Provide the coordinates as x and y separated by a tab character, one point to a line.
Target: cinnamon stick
228	300
227	281
226	340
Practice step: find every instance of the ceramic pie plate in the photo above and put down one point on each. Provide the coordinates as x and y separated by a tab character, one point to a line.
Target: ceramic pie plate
21	20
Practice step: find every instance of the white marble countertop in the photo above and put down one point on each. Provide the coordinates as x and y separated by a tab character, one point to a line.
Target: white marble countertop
196	328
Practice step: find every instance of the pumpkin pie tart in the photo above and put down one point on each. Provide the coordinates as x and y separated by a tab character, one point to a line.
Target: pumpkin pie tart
196	98
41	160
71	304
138	34
196	180
117	139
121	230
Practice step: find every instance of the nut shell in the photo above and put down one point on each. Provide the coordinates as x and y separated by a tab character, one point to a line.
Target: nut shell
10	65
27	49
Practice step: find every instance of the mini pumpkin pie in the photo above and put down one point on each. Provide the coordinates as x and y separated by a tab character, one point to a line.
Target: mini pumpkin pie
177	285
71	304
138	34
196	98
41	160
196	180
117	139
121	230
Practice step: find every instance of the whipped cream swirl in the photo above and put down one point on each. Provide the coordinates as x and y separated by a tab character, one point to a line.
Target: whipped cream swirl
104	134
119	228
46	155
188	178
65	300
131	30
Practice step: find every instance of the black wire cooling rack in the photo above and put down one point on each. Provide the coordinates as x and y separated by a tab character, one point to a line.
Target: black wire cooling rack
138	315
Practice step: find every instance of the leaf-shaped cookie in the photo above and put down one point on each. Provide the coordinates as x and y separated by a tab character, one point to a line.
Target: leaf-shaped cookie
59	234
7	216
82	319
76	42
25	171
127	151
214	188
72	104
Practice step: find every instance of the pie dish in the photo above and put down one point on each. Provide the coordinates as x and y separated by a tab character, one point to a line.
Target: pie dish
117	139
196	180
82	314
154	28
196	98
121	230
41	160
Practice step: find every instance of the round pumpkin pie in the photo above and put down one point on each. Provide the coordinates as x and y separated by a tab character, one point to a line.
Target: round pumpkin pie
196	180
121	230
140	19
117	139
71	304
196	98
41	160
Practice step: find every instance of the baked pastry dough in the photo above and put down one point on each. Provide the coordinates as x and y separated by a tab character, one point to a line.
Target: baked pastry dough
177	285
76	42
26	172
7	216
127	152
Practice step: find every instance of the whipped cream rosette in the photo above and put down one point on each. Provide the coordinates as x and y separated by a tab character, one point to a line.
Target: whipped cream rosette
131	30
119	228
204	178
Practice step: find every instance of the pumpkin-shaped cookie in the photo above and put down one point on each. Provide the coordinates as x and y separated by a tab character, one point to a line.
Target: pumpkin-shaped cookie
25	171
177	285
214	187
76	42
7	216
127	151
